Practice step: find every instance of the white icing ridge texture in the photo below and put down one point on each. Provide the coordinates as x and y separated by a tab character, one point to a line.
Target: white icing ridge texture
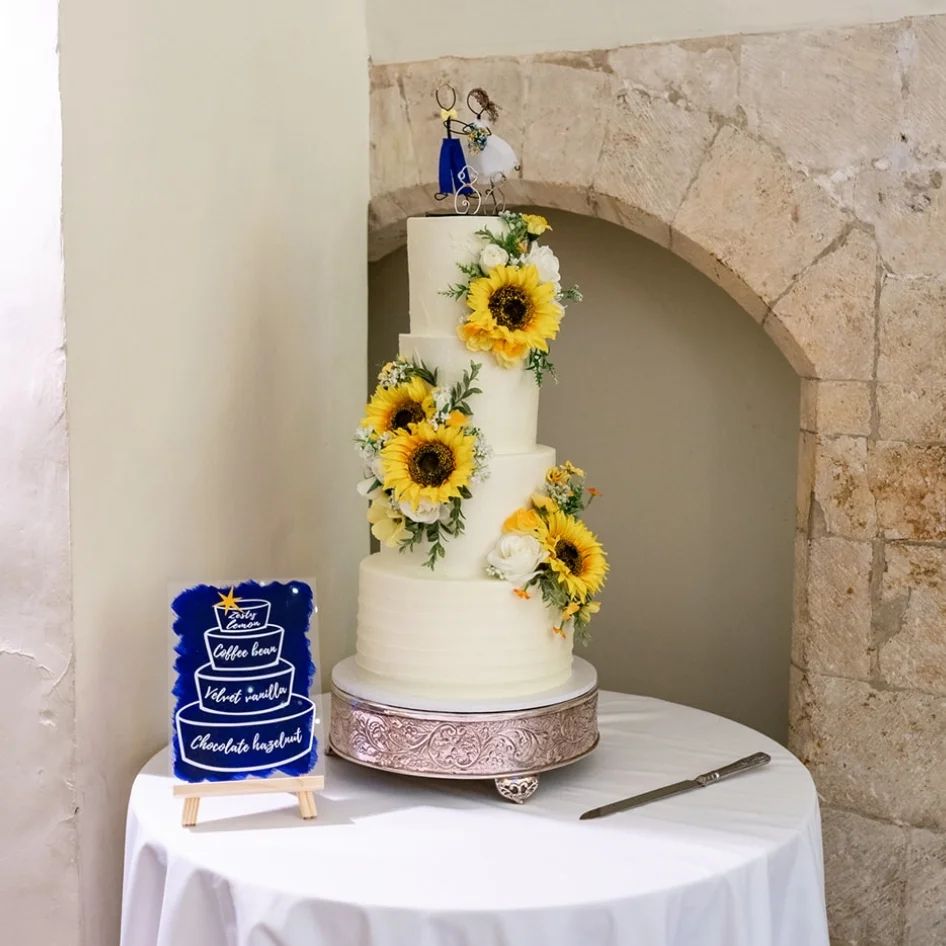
454	630
467	638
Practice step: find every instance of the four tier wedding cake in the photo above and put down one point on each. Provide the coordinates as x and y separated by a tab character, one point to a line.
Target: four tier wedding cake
486	572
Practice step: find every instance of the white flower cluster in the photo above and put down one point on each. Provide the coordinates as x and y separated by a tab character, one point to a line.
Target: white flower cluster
442	407
492	256
395	373
546	263
539	256
559	493
515	558
482	454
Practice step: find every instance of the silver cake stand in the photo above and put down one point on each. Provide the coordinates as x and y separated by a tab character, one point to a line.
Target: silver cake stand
508	741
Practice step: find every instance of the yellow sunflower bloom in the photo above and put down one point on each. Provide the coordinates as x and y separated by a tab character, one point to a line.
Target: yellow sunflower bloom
422	463
511	313
575	555
536	224
393	409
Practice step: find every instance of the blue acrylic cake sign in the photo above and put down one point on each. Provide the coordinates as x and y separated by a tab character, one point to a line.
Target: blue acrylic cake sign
243	671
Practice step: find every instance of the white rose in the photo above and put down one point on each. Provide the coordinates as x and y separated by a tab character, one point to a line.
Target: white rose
546	262
493	256
516	557
425	511
377	468
367	487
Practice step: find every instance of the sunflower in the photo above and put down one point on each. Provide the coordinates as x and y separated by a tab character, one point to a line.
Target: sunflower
424	463
575	555
393	409
512	312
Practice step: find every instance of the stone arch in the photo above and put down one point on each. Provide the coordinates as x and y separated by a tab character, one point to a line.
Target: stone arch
688	176
756	160
691	179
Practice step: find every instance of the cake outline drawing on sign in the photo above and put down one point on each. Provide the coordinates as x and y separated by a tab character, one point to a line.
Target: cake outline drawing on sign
247	717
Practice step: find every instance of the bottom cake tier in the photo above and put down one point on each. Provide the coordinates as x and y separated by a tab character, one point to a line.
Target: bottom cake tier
462	637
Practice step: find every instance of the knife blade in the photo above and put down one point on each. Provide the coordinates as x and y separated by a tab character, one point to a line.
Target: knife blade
701	781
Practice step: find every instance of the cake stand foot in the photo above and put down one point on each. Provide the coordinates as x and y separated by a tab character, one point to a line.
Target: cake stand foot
518	788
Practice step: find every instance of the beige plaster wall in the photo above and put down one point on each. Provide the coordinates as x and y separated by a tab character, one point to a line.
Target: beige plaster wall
38	878
685	415
215	278
418	29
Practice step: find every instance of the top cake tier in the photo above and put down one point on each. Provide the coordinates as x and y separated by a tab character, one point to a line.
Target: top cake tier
435	245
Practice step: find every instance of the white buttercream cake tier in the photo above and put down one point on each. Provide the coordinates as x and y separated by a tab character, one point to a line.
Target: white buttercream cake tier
350	678
435	245
465	638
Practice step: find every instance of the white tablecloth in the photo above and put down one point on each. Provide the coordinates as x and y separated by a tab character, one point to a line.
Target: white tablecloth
395	861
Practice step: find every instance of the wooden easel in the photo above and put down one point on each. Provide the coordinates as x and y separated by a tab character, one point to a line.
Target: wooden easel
302	787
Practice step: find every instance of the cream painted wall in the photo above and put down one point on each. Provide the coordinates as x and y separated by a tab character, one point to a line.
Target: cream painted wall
421	29
685	414
38	879
215	190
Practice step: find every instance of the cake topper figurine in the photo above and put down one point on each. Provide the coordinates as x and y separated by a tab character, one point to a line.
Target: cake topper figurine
452	171
488	161
490	156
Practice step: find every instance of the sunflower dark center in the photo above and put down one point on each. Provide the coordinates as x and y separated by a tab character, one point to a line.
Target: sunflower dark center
431	464
567	553
509	306
409	413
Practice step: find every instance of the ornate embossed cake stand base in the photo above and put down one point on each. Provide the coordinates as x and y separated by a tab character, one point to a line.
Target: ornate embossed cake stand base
508	741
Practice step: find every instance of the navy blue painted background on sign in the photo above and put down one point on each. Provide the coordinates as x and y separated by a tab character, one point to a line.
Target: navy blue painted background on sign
292	606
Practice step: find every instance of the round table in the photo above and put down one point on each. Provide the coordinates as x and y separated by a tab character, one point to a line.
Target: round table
398	861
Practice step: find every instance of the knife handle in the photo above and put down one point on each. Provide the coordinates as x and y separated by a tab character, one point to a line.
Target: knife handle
743	765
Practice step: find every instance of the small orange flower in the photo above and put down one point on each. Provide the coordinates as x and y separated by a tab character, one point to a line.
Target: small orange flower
558	630
521	593
594	491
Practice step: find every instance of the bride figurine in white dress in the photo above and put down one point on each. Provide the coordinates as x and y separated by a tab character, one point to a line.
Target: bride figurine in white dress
490	156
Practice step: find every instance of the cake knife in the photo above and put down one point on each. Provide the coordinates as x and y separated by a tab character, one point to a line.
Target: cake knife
701	781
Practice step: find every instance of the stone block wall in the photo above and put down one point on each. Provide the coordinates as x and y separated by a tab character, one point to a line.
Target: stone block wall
803	173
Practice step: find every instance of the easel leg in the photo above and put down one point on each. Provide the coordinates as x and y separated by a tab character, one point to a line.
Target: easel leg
306	804
303	787
191	804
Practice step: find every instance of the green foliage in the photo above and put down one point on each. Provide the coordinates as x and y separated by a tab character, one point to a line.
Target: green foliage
515	237
434	532
459	290
456	291
465	388
539	363
420	370
553	594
